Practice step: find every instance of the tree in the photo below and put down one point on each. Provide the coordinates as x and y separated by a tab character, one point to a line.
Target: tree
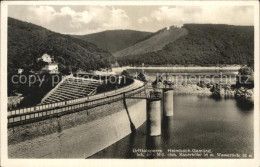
141	77
157	80
245	71
245	77
126	74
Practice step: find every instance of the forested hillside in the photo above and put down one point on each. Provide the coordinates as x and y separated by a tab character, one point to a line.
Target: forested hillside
114	40
27	42
204	44
153	42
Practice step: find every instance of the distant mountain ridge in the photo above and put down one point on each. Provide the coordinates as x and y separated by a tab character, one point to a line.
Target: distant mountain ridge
27	42
193	44
114	40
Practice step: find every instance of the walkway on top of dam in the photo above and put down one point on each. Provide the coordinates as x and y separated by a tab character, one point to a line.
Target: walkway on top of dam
41	112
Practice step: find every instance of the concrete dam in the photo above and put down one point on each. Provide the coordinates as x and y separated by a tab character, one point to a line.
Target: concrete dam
82	127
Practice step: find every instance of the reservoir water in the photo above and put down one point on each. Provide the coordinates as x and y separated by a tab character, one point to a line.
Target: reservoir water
221	128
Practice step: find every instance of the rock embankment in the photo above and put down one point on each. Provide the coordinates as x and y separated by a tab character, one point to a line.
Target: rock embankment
243	92
222	90
191	89
215	89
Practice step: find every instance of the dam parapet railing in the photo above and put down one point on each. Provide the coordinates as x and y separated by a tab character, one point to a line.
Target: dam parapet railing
42	112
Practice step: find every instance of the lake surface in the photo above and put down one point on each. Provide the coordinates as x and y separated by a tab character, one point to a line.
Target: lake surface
216	127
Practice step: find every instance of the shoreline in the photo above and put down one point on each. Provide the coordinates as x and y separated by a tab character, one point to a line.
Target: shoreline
193	89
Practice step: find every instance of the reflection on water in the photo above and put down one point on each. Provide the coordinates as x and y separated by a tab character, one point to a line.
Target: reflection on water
216	98
245	105
152	143
224	125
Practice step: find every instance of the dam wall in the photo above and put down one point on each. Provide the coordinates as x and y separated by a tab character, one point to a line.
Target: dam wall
77	135
119	70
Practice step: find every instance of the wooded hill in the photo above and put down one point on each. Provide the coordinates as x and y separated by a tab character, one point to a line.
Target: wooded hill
193	44
27	42
114	40
153	42
198	44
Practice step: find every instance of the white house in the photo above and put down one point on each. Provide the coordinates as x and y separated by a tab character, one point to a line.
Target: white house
51	68
46	58
104	73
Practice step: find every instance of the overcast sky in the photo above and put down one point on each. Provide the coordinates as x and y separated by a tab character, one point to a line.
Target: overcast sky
90	19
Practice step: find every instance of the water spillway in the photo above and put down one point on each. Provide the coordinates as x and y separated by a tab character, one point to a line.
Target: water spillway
71	88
